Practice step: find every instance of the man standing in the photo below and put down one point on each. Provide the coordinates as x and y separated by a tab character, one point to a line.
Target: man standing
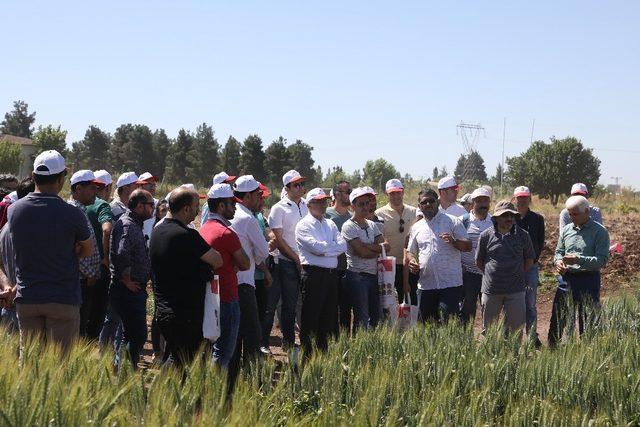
448	189
339	213
475	222
398	219
246	226
148	182
83	194
182	262
579	189
218	234
49	236
437	240
219	178
504	253
533	223
583	249
466	202
283	218
131	270
319	243
127	182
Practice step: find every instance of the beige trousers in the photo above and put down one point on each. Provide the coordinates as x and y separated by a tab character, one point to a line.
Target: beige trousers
57	323
514	310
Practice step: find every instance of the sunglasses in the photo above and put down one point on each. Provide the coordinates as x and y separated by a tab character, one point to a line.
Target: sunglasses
298	185
401	229
428	201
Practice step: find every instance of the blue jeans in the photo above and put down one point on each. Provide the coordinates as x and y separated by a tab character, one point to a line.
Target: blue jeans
531	280
225	345
10	318
285	286
111	332
364	294
132	309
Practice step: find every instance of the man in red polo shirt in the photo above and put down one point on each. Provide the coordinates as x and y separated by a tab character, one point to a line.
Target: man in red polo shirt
219	235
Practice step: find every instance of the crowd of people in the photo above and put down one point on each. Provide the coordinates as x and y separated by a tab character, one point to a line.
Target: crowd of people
82	267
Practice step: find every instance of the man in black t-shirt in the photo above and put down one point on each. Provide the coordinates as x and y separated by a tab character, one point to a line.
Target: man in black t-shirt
182	264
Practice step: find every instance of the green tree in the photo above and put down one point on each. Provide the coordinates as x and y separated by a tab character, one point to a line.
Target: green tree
204	156
551	169
50	138
277	161
161	146
377	172
302	161
132	149
231	156
470	168
90	152
9	157
252	158
178	161
18	122
334	175
496	179
75	156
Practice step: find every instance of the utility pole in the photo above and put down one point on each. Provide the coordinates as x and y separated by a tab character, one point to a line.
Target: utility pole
533	125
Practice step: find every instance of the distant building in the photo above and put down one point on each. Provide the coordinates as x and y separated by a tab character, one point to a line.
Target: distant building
27	153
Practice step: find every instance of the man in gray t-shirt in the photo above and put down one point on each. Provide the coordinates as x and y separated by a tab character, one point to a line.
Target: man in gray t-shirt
504	253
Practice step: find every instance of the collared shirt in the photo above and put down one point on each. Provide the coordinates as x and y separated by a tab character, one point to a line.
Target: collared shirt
392	233
440	262
147	225
594	213
252	240
352	230
503	256
319	242
454	210
285	215
533	223
338	219
474	228
128	249
590	243
262	222
99	213
89	266
117	208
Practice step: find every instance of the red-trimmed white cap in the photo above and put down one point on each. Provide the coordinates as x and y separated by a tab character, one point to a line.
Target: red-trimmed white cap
146	178
360	191
447	182
84	175
522	191
126	179
480	192
579	188
223	178
103	176
292	176
48	162
220	191
316	194
192	187
246	184
394	185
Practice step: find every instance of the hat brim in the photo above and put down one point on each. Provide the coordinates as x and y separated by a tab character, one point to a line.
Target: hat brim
522	194
229	179
395	190
318	198
579	193
298	179
454	187
504	211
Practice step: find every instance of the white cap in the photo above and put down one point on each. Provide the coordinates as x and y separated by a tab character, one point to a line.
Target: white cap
522	191
126	179
83	175
394	185
146	177
447	182
579	188
103	176
480	192
360	191
189	186
223	177
220	191
13	196
316	194
48	162
465	199
246	184
292	176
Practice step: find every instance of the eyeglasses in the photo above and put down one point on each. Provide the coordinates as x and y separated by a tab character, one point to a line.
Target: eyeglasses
298	185
428	201
401	230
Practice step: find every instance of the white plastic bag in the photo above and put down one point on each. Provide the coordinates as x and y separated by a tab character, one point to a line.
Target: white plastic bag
407	313
211	320
386	282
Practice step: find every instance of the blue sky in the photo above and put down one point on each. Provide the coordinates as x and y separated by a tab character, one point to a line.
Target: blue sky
357	80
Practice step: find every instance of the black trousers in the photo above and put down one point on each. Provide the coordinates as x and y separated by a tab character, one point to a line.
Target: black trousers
344	305
413	285
183	339
439	305
248	344
319	306
95	299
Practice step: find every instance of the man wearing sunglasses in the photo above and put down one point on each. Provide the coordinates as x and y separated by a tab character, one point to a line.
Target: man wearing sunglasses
283	218
398	218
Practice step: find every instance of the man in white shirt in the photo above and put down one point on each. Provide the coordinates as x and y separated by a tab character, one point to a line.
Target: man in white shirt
475	222
448	190
283	218
126	183
319	244
247	192
437	240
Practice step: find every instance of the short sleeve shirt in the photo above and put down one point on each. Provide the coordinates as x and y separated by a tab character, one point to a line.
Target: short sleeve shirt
285	215
337	219
224	240
352	230
180	276
454	210
392	225
474	228
99	213
45	230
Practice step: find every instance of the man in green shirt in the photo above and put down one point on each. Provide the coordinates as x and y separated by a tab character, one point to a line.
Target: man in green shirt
583	249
